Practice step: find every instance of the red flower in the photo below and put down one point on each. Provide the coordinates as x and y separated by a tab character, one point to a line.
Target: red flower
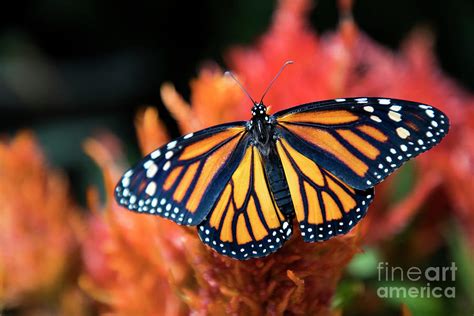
347	63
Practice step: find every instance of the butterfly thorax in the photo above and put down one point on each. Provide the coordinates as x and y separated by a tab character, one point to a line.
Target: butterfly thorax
261	128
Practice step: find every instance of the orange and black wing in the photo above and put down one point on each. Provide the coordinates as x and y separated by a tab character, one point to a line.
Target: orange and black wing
324	205
181	180
245	221
361	140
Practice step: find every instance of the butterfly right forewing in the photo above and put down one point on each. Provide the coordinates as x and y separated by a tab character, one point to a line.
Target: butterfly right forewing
362	140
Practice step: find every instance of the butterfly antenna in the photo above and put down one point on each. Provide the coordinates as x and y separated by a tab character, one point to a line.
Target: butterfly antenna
230	73
288	62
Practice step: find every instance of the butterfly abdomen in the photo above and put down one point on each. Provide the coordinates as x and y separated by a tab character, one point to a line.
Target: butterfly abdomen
278	183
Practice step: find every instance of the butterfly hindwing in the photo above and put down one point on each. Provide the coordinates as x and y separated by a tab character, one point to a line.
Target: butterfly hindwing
245	221
181	180
362	140
325	206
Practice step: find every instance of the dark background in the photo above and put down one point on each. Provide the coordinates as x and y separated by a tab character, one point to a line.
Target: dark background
69	69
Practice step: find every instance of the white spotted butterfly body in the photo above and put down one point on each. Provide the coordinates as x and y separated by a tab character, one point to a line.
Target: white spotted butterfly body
244	183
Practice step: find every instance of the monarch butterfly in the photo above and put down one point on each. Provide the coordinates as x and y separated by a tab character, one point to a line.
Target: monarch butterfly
243	183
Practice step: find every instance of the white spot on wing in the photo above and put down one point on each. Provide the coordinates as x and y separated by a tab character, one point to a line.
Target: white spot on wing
430	113
151	171
403	132
125	182
151	188
384	101
147	164
155	154
368	108
171	144
395	116
375	118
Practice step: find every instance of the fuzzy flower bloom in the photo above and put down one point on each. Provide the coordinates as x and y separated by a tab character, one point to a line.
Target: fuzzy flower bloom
37	216
131	263
138	264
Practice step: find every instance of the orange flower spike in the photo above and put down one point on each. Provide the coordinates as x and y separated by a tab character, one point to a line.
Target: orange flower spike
179	109
264	286
215	98
151	132
129	258
35	211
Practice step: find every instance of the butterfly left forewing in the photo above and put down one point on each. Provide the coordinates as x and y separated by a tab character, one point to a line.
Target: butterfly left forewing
245	221
181	180
362	140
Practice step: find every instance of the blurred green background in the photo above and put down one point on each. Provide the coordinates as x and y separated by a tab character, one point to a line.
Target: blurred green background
70	69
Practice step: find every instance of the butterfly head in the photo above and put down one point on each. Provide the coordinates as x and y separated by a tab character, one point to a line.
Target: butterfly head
260	116
261	126
259	109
